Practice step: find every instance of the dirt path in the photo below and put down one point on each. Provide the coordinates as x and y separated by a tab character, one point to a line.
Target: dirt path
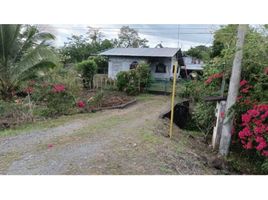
127	141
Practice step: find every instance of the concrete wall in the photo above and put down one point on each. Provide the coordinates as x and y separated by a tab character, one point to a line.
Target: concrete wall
117	64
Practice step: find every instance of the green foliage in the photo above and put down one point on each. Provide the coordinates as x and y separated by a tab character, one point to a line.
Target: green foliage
203	116
23	50
79	48
61	103
129	37
145	78
264	167
12	114
88	69
134	81
122	79
102	64
97	99
66	76
201	52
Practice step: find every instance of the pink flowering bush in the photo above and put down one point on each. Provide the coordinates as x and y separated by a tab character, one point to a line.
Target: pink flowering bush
254	134
213	77
80	104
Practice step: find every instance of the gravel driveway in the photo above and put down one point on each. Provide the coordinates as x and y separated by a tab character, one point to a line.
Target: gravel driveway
127	141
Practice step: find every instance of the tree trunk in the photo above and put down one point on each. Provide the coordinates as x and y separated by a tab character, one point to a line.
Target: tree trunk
233	90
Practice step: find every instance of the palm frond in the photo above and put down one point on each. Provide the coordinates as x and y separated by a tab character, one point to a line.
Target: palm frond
34	59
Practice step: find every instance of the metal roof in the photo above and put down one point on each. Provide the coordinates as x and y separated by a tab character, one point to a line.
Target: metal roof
144	52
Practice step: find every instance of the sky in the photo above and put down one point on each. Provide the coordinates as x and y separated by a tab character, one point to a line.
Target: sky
183	36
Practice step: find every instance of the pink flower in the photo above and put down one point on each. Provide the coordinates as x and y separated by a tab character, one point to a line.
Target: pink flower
248	145
264	153
243	82
253	113
58	88
261	145
81	104
50	146
246	118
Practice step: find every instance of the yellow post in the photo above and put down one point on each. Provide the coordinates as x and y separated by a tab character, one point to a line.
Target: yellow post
172	100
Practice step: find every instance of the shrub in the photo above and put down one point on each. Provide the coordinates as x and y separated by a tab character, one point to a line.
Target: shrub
102	64
88	69
59	101
122	79
14	113
135	80
145	78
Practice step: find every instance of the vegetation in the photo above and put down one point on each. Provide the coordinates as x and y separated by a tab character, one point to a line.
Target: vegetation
252	94
88	69
201	52
135	80
23	51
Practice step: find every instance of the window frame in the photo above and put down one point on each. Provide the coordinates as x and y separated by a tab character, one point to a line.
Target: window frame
160	64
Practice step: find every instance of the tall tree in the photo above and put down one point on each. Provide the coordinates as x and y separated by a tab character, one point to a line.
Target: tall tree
129	37
22	50
201	52
95	34
233	90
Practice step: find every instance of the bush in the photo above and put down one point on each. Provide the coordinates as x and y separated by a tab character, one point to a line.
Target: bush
102	64
14	113
88	69
66	76
122	79
134	81
59	101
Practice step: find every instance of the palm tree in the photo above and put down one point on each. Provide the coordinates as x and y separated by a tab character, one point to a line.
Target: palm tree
23	50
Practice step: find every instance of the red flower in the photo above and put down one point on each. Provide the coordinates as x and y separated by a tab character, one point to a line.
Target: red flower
243	82
50	146
29	90
58	88
253	113
81	104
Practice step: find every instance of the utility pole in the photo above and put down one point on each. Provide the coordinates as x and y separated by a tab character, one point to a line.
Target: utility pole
233	90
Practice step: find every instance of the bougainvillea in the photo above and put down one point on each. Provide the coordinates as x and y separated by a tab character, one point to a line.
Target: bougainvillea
81	104
254	134
212	77
57	88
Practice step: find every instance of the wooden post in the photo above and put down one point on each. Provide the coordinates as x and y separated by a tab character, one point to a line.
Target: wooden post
218	127
233	90
172	102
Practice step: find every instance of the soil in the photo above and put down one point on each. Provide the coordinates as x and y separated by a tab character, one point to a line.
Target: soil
122	141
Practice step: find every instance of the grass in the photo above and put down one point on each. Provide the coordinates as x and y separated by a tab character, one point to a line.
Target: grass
42	125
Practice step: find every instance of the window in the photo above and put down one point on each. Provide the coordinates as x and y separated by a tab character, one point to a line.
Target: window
133	65
160	68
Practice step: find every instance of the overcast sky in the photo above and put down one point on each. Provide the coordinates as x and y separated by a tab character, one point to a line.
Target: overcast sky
187	34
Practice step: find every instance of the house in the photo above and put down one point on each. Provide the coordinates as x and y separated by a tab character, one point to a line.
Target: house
161	60
190	65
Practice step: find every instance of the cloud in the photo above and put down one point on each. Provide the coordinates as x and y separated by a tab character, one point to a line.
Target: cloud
167	34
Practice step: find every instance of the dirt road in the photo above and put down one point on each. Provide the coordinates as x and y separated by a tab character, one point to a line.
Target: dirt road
127	141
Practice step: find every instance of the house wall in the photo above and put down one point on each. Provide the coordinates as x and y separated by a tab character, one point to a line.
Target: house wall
117	64
165	61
